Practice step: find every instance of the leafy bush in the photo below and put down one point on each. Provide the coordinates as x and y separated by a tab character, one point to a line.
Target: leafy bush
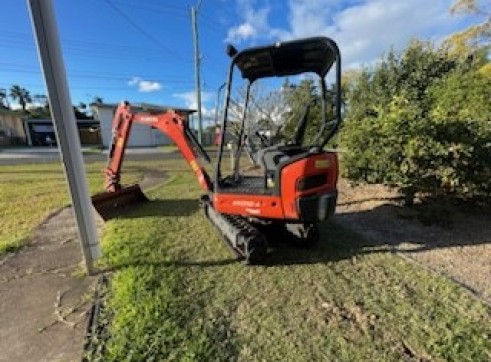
420	121
461	118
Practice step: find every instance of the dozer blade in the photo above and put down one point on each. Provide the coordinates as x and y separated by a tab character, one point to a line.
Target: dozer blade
112	204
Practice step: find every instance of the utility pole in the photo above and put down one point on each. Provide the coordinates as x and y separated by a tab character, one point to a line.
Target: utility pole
197	71
49	50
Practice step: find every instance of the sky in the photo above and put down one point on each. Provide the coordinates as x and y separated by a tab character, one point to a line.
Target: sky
142	50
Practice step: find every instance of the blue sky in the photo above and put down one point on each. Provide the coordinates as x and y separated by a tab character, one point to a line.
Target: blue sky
142	50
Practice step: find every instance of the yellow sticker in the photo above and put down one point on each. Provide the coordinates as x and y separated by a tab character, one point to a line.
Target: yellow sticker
194	165
320	164
120	142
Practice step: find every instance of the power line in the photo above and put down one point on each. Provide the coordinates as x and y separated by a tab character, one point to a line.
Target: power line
104	52
75	47
141	30
27	42
175	11
180	12
226	10
41	87
80	74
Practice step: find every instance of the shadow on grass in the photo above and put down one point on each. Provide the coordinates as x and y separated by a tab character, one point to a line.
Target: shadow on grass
387	228
154	208
425	226
336	243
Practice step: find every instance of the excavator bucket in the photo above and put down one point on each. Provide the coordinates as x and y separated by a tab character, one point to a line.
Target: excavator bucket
112	204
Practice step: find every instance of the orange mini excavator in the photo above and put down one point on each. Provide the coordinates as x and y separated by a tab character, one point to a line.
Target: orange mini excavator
296	185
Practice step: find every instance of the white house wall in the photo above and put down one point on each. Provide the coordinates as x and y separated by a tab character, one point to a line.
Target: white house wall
140	135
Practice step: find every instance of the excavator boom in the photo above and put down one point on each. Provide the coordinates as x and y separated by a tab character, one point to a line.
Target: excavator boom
170	123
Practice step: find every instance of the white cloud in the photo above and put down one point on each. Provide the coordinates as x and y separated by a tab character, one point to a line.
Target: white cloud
145	86
189	99
363	29
255	22
366	31
241	32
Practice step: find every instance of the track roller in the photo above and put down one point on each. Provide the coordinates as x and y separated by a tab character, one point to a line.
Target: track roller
245	240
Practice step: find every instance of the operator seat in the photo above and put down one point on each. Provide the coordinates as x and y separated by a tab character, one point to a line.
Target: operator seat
269	157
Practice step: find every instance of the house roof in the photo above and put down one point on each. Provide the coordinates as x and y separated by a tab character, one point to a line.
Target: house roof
146	107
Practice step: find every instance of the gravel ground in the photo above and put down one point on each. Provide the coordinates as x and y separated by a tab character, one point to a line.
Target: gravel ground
457	243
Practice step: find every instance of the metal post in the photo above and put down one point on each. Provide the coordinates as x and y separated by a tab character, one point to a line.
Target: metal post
217	104
232	148
197	60
27	131
48	45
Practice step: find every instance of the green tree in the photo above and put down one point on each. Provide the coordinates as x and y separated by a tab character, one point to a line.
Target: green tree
3	99
298	97
41	109
41	99
349	78
475	40
409	118
97	100
476	36
461	132
20	95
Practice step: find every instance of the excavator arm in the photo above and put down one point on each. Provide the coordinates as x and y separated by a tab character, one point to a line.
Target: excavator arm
170	123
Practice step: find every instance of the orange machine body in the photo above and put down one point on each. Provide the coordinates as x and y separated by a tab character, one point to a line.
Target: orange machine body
310	177
302	189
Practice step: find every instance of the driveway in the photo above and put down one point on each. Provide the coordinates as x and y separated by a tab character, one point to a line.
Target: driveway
15	156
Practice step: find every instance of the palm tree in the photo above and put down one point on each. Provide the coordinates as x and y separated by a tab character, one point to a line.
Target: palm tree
40	99
21	95
3	98
97	100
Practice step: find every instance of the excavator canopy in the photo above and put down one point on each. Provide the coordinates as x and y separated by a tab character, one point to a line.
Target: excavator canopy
315	55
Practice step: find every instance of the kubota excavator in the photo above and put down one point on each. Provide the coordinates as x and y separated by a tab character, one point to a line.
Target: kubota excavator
296	187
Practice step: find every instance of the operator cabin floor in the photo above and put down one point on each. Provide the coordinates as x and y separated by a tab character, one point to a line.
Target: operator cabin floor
247	185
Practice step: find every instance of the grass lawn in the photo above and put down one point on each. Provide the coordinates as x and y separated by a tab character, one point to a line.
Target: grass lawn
29	193
177	294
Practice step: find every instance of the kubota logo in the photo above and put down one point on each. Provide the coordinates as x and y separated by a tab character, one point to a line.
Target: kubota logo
148	119
246	203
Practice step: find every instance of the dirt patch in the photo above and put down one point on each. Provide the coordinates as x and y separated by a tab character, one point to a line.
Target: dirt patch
45	294
445	238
